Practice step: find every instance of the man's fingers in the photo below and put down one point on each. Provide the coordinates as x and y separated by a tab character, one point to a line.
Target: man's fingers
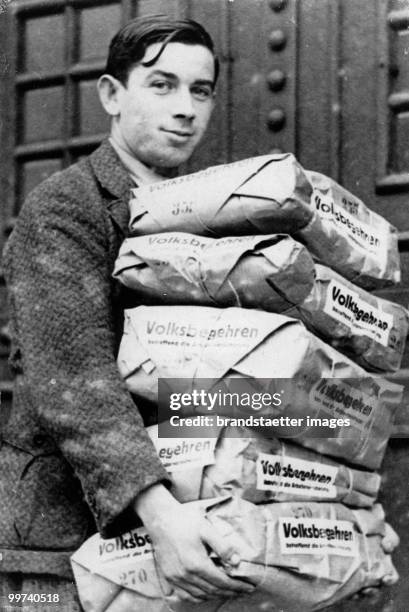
218	544
390	540
203	580
193	589
205	575
180	594
218	578
186	565
391	578
209	588
367	592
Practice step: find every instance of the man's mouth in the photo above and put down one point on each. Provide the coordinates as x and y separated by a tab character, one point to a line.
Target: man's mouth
180	133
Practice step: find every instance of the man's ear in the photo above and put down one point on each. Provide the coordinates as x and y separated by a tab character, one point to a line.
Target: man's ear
109	90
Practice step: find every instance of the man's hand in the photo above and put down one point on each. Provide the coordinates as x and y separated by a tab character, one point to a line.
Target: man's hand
389	542
179	535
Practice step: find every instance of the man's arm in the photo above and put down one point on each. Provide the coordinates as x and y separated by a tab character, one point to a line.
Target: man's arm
58	273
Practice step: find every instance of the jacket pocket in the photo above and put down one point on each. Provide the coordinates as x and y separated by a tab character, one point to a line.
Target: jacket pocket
45	504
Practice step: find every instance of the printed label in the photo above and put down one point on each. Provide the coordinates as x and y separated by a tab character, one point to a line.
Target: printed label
137	541
184	453
222	170
345	306
175	329
159	243
189	243
340	400
126	560
196	342
317	536
295	476
363	235
195	259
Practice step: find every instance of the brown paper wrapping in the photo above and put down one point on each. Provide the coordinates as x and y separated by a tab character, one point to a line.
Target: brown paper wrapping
273	194
300	557
371	330
303	579
347	236
209	343
260	195
268	272
259	469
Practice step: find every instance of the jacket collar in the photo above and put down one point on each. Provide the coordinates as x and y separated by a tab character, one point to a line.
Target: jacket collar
115	179
110	171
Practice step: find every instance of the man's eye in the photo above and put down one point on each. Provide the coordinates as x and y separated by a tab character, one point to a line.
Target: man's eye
161	86
201	93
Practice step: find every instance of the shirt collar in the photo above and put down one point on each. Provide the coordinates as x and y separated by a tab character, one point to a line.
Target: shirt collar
139	172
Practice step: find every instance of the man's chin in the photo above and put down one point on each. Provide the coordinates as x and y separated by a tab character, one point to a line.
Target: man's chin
173	160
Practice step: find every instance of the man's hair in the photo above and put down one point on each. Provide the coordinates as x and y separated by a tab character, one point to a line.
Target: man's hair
128	47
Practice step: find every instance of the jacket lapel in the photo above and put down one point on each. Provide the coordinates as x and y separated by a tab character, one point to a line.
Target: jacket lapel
115	180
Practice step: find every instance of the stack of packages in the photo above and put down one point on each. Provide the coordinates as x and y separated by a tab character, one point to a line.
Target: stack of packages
229	294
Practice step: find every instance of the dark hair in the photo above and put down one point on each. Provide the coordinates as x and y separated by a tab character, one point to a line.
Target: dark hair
129	45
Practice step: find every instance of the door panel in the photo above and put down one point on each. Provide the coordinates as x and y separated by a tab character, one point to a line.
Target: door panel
319	86
42	38
42	114
392	181
95	26
89	117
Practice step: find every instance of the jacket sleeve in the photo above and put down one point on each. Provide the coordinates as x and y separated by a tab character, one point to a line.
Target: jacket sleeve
59	279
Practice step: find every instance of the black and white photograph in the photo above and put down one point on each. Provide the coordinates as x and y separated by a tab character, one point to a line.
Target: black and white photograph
204	305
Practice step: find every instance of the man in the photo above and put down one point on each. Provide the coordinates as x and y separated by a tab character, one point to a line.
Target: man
75	453
74	431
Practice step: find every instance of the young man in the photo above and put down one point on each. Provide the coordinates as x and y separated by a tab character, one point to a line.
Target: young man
75	454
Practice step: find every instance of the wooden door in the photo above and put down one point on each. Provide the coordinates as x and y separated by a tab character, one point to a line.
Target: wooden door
325	79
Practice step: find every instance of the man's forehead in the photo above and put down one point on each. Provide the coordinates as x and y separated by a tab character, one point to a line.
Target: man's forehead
181	59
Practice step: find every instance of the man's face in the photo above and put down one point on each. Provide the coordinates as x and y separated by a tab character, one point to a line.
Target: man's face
163	111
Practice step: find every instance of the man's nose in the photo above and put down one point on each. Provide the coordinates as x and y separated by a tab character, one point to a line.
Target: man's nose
184	106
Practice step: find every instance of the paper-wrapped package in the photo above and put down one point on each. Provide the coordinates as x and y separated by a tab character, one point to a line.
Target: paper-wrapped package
273	194
347	236
371	330
268	194
192	343
120	575
268	272
305	555
240	461
299	556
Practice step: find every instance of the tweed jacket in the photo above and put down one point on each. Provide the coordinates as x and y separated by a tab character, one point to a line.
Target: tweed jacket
74	450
